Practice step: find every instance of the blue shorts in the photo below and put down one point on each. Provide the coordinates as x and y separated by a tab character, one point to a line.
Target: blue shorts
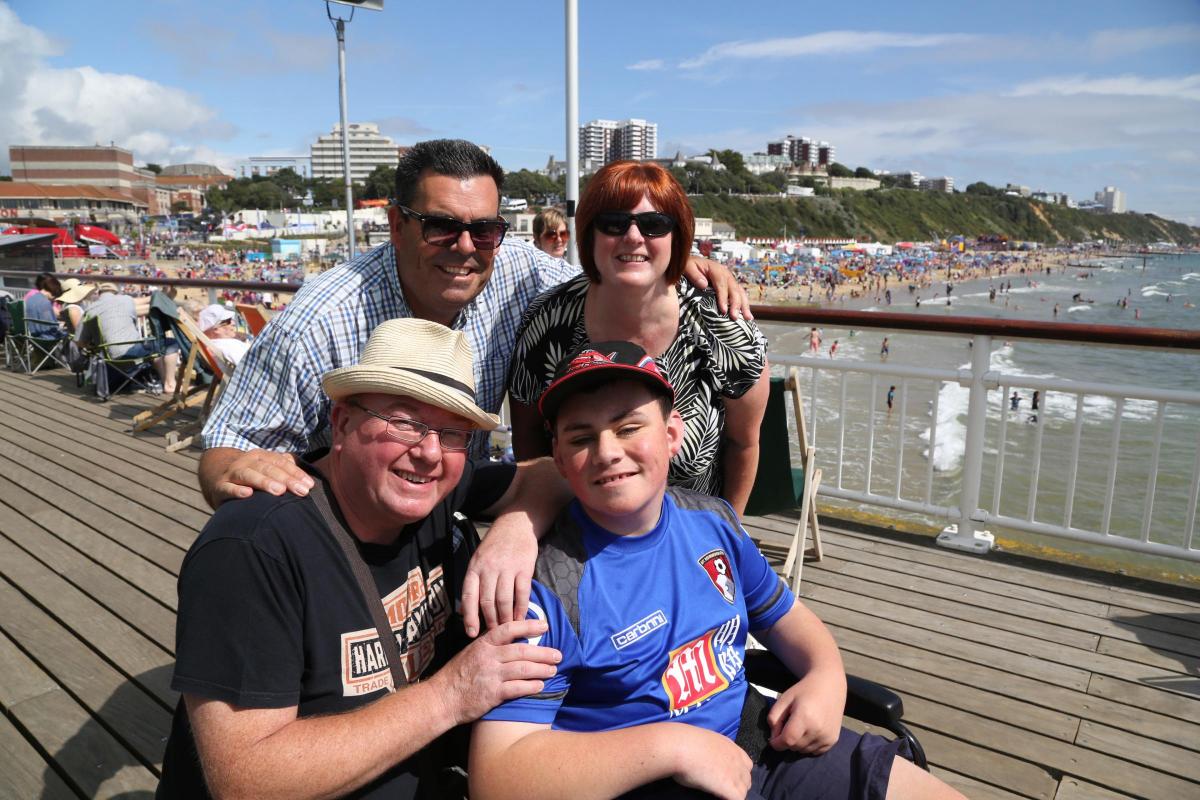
143	349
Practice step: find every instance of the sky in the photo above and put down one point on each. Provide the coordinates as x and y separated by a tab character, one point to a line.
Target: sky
1059	96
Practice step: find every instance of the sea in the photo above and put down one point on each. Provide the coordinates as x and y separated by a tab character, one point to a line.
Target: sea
1166	291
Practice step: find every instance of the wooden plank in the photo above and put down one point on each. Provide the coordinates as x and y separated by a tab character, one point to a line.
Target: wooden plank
44	413
1180	761
154	620
148	520
1047	651
1151	697
1179	624
969	787
948	601
54	607
1075	789
23	679
994	596
925	638
1019	575
1143	654
25	773
95	763
136	484
971	757
1056	757
1007	687
983	702
84	524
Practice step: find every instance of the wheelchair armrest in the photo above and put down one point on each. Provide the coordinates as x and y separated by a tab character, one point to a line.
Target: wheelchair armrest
866	700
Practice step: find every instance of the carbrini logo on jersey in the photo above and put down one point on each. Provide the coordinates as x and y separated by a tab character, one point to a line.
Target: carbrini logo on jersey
417	612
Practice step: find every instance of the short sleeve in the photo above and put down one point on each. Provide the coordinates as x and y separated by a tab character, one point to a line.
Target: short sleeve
238	637
768	598
274	400
543	707
485	482
736	348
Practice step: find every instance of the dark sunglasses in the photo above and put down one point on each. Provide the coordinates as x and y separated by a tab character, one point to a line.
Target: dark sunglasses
486	234
562	235
650	223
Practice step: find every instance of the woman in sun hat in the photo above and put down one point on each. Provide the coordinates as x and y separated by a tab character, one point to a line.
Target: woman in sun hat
635	234
74	293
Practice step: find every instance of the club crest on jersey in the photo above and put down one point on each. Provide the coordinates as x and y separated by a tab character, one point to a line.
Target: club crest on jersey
692	676
716	566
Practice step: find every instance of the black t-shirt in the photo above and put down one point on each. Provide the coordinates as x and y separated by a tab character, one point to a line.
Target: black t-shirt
270	615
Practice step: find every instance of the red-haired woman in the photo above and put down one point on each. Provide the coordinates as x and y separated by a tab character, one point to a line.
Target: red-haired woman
635	235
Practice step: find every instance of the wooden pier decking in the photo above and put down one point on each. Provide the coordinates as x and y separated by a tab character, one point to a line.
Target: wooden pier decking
1021	682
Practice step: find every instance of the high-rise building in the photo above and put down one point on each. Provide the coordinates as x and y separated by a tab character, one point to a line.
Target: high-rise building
942	184
802	150
1112	198
605	140
368	149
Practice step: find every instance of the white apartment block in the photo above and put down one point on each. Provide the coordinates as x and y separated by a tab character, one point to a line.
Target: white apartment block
943	184
1112	198
368	149
269	165
803	150
605	140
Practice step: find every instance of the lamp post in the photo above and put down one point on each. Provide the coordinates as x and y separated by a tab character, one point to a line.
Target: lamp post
339	26
572	35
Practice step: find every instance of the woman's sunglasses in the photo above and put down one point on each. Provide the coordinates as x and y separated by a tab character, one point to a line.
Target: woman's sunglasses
562	235
650	223
486	234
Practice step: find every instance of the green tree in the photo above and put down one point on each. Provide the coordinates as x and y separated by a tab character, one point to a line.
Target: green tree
380	185
155	168
732	159
290	181
531	186
837	170
864	172
979	187
180	206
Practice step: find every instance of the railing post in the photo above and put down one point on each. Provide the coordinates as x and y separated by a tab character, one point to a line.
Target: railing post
962	535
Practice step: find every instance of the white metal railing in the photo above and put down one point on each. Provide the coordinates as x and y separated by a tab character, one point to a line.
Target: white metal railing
870	468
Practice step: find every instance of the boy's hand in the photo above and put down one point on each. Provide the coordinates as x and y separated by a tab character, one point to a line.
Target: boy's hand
807	718
710	762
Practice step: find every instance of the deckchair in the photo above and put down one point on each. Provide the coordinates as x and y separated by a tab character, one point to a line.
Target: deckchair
191	379
778	485
255	315
220	367
110	373
33	344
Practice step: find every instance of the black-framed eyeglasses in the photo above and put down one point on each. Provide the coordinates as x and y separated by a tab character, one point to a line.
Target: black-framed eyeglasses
650	223
486	234
410	431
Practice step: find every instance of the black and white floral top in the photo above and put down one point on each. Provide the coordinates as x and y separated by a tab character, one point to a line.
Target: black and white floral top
712	357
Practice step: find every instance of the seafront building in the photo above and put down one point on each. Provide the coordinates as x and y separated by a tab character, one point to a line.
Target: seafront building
1112	198
368	149
266	166
605	140
803	150
942	184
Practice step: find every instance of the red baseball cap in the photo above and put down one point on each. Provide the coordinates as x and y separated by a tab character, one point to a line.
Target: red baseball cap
595	363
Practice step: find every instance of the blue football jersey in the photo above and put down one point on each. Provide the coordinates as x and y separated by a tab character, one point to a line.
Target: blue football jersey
652	628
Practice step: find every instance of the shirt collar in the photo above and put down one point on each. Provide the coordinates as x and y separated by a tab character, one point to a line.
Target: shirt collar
464	316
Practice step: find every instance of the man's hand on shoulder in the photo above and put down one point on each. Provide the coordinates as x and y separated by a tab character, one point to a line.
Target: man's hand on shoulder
227	473
500	575
495	668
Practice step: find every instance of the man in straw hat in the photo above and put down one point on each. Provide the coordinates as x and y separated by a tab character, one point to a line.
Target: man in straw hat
446	260
287	688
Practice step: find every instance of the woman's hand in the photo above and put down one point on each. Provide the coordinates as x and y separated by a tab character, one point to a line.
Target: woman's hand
732	299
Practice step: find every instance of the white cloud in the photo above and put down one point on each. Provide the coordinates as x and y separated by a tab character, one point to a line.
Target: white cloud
1184	87
1132	40
648	64
826	43
82	105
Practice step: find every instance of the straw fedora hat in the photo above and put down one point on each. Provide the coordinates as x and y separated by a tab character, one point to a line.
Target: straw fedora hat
74	290
414	358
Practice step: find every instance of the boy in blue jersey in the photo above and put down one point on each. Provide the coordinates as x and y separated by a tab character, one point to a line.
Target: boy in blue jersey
649	593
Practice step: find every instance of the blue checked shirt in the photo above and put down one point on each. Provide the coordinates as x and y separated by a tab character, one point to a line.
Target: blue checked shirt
275	400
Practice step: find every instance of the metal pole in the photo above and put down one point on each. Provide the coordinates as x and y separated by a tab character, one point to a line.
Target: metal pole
341	39
572	125
963	536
